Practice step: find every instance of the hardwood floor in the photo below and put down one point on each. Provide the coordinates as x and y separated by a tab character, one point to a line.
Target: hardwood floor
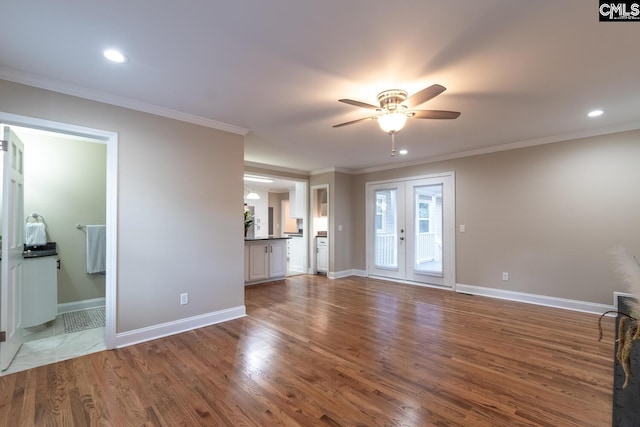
346	352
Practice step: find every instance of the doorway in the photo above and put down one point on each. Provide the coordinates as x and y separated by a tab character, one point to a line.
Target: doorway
410	230
110	140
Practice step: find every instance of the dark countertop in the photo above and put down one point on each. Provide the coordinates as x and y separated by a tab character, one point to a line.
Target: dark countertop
50	249
293	234
266	238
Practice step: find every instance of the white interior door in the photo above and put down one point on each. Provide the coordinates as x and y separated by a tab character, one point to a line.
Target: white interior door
411	233
12	247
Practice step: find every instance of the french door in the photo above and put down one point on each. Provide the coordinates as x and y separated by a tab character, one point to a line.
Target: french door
410	230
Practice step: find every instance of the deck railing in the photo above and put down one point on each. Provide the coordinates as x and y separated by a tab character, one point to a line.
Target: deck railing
386	250
428	249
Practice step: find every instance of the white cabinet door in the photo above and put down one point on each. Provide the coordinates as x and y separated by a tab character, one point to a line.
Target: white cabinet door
298	200
322	255
297	255
277	259
258	261
40	291
266	259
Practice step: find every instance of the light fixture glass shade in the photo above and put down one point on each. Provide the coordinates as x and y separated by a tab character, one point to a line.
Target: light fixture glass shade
253	196
392	122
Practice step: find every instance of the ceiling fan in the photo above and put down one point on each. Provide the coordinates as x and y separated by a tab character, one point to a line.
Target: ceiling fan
396	107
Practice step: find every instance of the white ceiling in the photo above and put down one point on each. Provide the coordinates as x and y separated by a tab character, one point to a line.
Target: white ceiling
521	72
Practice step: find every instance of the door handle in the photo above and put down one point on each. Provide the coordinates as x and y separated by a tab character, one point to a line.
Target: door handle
402	238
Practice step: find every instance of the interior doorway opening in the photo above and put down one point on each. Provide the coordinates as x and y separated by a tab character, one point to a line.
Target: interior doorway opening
93	136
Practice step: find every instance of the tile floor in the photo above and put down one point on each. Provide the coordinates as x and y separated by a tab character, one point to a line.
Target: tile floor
51	344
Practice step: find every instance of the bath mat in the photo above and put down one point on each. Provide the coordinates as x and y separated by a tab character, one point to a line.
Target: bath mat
84	319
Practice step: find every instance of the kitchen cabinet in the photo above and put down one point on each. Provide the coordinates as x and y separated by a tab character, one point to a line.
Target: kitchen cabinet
322	255
39	290
298	200
296	254
265	260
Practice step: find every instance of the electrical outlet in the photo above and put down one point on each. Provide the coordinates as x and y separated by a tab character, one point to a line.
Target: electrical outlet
184	298
505	276
462	228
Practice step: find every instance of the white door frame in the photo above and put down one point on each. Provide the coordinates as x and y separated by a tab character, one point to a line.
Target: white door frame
449	269
111	140
312	227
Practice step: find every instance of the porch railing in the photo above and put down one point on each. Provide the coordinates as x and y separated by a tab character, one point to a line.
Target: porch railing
428	249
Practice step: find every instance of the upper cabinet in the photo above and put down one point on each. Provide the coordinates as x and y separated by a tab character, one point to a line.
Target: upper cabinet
298	200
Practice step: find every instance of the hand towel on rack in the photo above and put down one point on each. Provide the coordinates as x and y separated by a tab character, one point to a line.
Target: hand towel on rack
35	234
96	248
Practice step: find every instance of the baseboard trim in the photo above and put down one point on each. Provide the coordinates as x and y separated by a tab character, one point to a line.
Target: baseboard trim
346	273
67	307
149	333
564	303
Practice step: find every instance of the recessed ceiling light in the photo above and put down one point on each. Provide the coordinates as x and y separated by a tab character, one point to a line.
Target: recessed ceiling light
595	113
115	56
403	152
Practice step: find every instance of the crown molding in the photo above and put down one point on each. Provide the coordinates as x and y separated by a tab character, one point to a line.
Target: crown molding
275	168
624	127
82	92
329	170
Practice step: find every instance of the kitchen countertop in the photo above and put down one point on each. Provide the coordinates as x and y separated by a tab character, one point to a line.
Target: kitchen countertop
266	238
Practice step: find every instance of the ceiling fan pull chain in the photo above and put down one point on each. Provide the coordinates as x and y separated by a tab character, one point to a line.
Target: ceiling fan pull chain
393	143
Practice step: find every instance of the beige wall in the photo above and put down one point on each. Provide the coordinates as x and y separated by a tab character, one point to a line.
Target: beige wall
178	230
548	215
342	214
65	182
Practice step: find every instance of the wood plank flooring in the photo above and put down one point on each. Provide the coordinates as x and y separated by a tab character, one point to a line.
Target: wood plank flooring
346	352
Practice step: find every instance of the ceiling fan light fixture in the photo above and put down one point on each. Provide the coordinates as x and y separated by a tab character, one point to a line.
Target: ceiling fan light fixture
392	122
114	55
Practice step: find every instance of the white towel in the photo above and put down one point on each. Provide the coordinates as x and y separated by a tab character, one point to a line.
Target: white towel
96	248
35	234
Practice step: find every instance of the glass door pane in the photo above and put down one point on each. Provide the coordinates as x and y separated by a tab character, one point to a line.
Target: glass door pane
385	229
427	217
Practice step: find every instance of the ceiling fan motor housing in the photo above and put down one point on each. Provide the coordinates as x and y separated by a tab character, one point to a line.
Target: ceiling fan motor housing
390	100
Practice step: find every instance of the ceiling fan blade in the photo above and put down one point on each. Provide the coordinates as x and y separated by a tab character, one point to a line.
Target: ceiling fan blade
424	95
353	121
358	104
434	114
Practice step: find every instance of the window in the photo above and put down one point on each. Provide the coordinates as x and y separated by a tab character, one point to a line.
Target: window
381	212
423	215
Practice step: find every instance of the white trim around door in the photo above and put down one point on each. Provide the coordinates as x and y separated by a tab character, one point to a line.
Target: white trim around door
410	229
111	140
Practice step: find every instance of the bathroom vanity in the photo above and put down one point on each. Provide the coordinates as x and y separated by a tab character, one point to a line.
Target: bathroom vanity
39	285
